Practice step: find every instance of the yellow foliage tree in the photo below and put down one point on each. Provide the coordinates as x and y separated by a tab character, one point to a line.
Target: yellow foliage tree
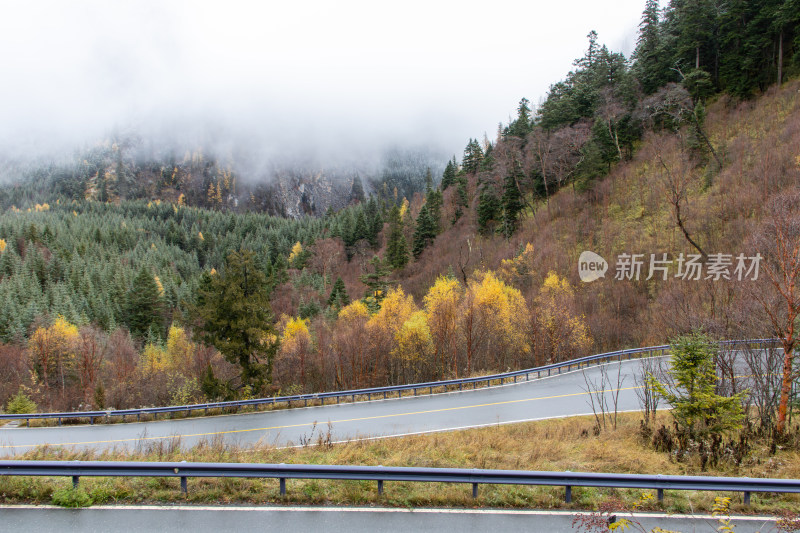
560	332
295	348
518	270
3	245
153	359
403	208
296	252
396	308
414	346
52	353
494	323
180	351
442	307
350	343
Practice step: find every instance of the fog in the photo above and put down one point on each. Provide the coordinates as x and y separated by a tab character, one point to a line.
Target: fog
318	80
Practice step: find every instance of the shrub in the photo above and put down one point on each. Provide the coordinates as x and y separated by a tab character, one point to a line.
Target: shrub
20	404
71	498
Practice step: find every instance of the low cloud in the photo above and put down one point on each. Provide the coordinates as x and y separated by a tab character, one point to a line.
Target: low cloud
323	81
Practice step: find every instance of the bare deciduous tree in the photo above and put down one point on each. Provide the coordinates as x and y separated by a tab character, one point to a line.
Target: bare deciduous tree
779	242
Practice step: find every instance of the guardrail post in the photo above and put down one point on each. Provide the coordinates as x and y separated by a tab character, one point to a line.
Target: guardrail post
384	395
430	391
474	490
59	420
91	420
660	496
184	485
747	497
380	487
283	486
75	480
568	494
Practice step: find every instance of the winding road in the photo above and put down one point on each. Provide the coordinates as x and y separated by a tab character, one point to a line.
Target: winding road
551	397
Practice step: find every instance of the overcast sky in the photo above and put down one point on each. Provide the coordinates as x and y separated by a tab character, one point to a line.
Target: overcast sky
334	76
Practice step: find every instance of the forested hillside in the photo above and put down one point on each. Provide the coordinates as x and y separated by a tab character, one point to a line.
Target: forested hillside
123	286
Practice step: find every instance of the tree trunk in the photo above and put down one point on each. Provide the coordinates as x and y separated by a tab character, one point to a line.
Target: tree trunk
697	57
780	57
786	383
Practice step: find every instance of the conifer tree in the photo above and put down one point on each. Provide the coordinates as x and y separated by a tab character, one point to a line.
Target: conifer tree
373	220
512	199
144	305
357	190
233	314
360	230
650	65
396	246
461	200
473	155
488	209
696	406
377	283
449	176
425	231
522	125
338	297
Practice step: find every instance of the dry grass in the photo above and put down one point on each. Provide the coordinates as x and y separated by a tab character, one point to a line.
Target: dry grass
565	444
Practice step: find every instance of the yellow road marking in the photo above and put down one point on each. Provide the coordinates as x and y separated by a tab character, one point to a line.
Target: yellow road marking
233	431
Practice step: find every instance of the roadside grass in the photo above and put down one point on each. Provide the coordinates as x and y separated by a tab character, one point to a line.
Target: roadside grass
556	445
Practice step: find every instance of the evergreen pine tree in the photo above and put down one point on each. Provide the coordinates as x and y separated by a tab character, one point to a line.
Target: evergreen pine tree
428	181
449	176
473	156
233	315
357	190
522	125
512	199
338	297
143	306
377	282
360	230
461	200
488	209
396	247
425	231
650	66
374	221
691	391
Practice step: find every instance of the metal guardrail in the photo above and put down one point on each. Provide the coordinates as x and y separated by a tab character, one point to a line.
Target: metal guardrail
546	370
282	472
